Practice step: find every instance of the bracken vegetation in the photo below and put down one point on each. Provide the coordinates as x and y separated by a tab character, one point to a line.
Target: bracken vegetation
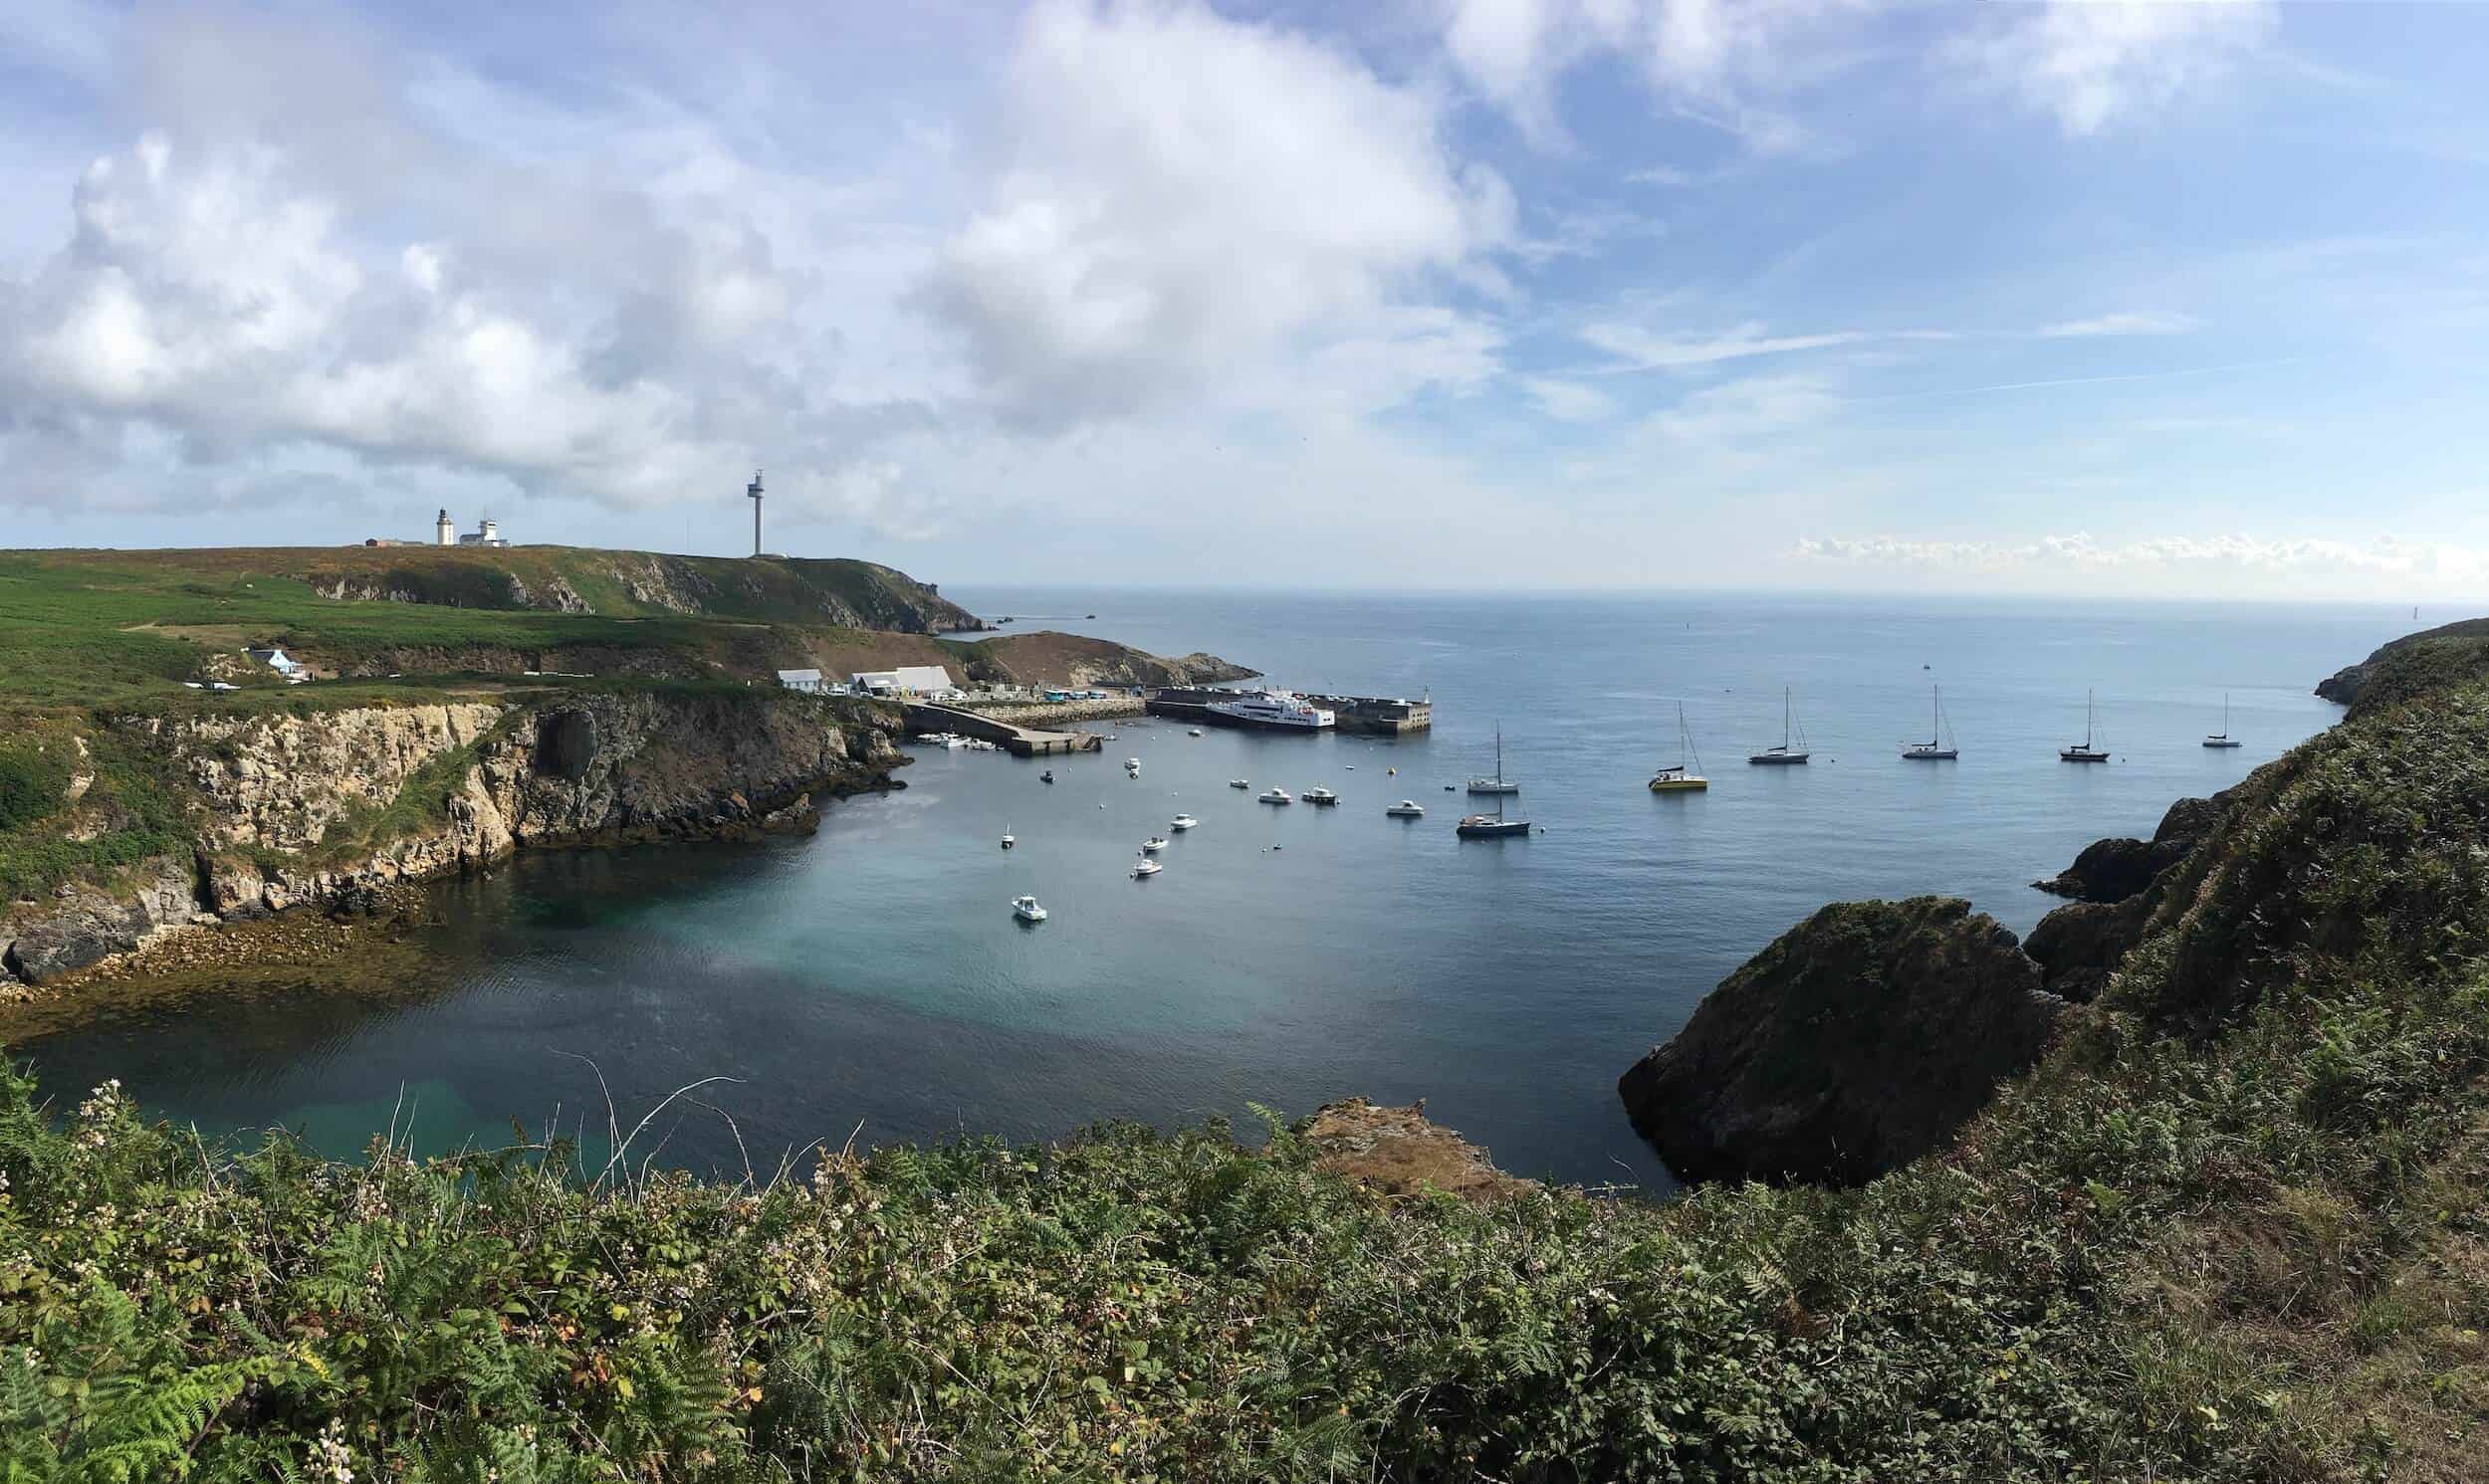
2235	1227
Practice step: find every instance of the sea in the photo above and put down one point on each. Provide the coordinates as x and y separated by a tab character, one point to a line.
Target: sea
870	984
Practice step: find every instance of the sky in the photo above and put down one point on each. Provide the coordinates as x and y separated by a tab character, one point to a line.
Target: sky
2185	299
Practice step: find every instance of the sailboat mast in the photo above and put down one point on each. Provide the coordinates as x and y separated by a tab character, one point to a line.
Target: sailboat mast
1784	719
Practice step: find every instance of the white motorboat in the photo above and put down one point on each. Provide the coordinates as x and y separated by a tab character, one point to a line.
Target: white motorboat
1026	910
1153	844
1277	796
1182	822
1407	808
1191	732
1145	867
1132	764
1320	796
1008	839
1239	783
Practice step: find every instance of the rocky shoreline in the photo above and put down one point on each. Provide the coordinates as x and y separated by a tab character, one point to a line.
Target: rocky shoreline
332	811
1867	1035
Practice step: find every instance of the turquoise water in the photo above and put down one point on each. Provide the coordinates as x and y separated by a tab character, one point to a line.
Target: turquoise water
870	982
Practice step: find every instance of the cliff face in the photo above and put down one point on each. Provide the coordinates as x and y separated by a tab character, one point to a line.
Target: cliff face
1861	1039
1048	658
292	810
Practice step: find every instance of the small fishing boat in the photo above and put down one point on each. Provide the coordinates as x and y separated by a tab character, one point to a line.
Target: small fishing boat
1047	776
1145	867
1182	822
1939	746
1277	797
1320	796
1191	732
1008	839
1026	910
1239	783
1407	808
1153	844
1788	754
1680	777
2085	752
1132	764
2222	738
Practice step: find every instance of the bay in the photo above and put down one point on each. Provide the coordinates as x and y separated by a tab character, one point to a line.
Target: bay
869	983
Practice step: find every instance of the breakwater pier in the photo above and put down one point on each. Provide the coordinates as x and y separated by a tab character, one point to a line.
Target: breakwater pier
1013	737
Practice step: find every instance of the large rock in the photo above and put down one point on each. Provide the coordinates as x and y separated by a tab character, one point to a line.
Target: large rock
1398	1152
88	925
2080	945
2114	869
1861	1039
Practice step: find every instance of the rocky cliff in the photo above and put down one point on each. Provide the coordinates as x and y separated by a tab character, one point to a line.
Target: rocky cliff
1861	1039
1048	658
2461	643
323	807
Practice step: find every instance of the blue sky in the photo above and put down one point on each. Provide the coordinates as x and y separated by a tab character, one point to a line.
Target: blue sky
2181	299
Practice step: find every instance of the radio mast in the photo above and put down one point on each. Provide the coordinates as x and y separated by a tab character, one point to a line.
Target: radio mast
754	490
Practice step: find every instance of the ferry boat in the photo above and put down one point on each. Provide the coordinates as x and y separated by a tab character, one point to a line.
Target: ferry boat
1784	755
2084	752
1407	808
1938	747
1320	796
1026	910
1680	776
1273	711
1277	797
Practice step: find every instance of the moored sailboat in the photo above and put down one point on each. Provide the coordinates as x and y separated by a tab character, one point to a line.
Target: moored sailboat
1493	826
1939	746
2085	752
1680	777
1786	754
2222	738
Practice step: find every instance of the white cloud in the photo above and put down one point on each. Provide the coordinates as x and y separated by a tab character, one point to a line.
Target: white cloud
1636	348
2386	556
2125	322
1743	409
1568	401
1181	197
2095	64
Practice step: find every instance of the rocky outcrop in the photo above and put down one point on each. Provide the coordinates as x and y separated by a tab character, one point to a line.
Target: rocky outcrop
2115	869
1397	1152
82	925
328	808
1048	658
2080	945
2345	686
1859	1040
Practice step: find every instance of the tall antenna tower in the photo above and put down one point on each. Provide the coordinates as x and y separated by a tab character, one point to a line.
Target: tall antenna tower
754	490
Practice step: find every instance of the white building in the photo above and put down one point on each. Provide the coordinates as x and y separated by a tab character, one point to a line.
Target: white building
807	681
907	680
279	661
444	533
486	534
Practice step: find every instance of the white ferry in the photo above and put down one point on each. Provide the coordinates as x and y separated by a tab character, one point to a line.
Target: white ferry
1277	711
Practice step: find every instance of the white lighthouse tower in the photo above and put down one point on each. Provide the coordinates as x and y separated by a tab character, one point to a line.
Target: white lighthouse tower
444	533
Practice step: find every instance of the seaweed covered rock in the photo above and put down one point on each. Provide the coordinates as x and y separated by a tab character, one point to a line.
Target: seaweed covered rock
1859	1040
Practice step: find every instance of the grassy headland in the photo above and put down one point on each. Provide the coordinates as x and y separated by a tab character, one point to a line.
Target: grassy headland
2234	1227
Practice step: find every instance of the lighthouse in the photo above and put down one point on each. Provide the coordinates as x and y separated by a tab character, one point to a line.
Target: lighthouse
754	490
444	533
